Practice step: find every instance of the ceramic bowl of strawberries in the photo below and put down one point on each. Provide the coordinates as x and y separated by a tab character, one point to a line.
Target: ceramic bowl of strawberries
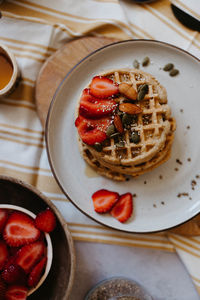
27	244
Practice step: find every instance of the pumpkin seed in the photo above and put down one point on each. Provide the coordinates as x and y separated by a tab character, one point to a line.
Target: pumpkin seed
136	64
110	130
174	72
127	119
135	138
168	67
141	95
98	147
115	136
145	61
144	87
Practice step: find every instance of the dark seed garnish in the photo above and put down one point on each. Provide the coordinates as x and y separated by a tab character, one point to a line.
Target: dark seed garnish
110	130
168	67
136	64
115	136
145	61
127	119
142	91
135	138
98	147
174	72
143	87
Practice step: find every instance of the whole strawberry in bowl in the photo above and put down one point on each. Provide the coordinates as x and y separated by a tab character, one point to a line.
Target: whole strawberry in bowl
36	248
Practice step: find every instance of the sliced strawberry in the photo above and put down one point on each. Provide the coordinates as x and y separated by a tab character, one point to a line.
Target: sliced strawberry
29	255
3	218
20	230
36	273
16	292
103	200
123	209
14	274
92	131
2	288
91	107
10	261
46	220
3	254
103	87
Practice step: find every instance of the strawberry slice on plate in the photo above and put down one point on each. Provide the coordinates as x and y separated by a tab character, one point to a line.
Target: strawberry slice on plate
103	87
3	218
3	254
36	273
29	255
92	131
92	107
16	292
103	200
123	209
46	220
20	230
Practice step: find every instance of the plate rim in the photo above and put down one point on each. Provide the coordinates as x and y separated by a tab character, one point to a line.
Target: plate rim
47	124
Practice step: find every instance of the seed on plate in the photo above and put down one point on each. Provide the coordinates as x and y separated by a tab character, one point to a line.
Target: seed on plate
136	64
145	61
168	67
174	72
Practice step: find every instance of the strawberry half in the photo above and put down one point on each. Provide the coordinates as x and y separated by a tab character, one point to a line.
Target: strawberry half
46	220
29	255
3	254
123	209
16	292
92	131
14	274
36	273
91	107
103	200
103	87
20	230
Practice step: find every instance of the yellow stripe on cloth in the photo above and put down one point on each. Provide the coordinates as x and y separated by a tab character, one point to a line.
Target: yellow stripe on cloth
73	24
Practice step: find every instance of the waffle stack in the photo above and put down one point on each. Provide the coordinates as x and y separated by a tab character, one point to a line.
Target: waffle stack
121	154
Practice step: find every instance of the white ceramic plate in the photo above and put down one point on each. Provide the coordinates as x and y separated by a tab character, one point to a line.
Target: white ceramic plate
157	205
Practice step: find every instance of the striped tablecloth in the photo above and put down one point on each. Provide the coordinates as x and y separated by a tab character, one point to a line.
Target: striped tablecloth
34	30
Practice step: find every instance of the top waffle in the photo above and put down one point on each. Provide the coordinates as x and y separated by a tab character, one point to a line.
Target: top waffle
152	124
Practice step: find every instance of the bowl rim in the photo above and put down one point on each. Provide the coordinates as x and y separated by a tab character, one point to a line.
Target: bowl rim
47	124
48	240
62	222
15	73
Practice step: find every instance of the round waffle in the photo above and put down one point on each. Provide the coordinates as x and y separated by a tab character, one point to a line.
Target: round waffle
154	125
